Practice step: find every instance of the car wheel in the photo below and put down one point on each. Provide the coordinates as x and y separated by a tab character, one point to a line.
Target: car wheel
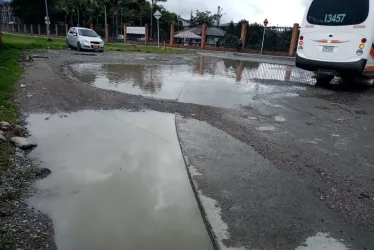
79	46
101	51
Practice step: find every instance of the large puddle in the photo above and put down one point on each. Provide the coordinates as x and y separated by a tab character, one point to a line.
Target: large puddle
207	81
118	182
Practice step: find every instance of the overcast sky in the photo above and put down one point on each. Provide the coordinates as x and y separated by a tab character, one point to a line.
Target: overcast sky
278	12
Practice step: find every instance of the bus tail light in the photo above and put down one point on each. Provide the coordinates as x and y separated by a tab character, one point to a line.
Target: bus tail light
301	43
363	40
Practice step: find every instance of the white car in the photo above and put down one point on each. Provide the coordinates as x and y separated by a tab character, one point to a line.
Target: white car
84	39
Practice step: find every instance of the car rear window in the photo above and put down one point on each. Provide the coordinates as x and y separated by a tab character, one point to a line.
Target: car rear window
338	13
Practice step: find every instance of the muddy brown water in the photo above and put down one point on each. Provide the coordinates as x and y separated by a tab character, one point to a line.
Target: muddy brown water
207	81
118	182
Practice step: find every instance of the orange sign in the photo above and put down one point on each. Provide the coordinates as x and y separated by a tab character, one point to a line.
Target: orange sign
266	22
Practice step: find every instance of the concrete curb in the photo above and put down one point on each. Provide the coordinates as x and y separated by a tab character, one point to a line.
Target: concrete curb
194	186
282	60
289	58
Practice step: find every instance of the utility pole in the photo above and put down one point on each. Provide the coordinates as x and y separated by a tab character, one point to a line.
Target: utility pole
151	30
47	20
266	22
106	21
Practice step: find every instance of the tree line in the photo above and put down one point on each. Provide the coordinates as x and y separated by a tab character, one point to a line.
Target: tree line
137	13
96	12
276	38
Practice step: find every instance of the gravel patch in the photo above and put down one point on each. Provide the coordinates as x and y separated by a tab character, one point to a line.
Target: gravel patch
22	227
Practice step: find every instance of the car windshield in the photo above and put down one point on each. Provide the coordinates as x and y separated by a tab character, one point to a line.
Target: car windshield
89	33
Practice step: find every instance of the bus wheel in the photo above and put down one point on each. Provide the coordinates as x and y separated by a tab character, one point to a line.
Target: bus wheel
323	80
362	81
347	81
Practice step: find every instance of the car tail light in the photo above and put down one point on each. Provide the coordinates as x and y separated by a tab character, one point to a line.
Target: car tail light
363	40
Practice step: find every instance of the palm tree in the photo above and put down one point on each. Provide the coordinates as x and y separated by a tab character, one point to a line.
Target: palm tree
130	16
65	6
79	4
142	10
122	8
93	9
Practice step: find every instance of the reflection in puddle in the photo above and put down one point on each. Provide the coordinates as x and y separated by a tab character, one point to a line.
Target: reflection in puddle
118	182
208	81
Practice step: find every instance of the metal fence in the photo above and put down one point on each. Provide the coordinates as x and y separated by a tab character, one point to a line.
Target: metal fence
277	40
187	38
26	29
137	35
36	29
61	29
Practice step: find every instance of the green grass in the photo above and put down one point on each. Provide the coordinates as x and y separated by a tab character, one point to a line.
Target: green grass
10	72
146	49
32	42
28	42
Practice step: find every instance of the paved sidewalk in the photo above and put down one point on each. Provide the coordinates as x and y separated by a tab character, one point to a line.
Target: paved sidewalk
282	60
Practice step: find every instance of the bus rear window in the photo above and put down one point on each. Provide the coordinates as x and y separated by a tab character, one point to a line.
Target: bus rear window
337	13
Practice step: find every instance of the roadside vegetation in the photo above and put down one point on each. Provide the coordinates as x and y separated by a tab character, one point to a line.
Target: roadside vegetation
30	42
10	72
12	180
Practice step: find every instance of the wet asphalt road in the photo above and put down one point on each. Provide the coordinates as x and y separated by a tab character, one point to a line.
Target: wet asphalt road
263	206
278	163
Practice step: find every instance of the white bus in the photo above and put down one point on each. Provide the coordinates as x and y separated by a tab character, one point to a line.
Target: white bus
336	39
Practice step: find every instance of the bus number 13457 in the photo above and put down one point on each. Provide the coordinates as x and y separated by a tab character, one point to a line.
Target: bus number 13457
337	18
